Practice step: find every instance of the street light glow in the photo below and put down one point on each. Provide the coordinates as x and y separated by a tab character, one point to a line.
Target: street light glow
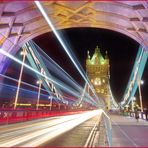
141	82
134	98
39	81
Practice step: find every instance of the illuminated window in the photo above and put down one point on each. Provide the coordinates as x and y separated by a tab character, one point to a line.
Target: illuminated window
97	81
103	81
102	90
98	90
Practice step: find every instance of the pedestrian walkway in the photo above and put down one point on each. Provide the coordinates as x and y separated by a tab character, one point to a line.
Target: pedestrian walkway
126	131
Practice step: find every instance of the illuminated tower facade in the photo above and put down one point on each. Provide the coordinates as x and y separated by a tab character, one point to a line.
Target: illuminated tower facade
97	69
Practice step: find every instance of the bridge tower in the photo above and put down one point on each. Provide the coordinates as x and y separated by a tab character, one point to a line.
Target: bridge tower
97	69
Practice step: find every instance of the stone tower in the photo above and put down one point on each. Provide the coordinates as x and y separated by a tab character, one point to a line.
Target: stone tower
97	69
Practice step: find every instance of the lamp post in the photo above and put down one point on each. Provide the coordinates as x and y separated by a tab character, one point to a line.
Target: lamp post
39	91
133	99
24	53
140	82
50	97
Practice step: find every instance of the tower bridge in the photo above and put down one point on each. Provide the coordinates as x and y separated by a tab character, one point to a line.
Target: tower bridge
62	107
97	69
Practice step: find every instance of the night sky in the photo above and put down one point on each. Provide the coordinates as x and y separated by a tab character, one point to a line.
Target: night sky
121	49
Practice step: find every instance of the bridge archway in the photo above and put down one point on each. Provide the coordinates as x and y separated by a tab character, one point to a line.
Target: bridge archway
21	21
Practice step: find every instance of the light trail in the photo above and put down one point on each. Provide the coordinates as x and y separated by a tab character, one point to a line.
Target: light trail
39	73
27	84
40	7
54	67
22	82
22	89
33	49
50	63
30	85
37	133
33	86
34	70
58	36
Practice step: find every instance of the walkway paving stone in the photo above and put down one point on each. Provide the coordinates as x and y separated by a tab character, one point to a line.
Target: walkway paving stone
126	131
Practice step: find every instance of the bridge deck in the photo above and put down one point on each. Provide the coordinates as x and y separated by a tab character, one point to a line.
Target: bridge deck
127	131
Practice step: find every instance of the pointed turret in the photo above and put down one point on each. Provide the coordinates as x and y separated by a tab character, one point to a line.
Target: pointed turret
88	56
97	57
97	50
106	56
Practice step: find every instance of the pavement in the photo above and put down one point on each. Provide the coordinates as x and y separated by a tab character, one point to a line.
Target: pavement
127	132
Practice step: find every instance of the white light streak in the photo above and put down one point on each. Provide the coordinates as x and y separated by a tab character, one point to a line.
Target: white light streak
39	73
39	132
34	70
40	7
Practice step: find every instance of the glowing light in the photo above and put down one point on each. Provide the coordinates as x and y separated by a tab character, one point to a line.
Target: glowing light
142	82
31	47
95	83
40	7
58	36
27	84
134	98
38	82
21	104
37	133
61	85
102	62
32	69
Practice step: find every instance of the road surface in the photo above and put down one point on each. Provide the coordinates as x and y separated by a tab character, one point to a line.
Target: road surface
45	131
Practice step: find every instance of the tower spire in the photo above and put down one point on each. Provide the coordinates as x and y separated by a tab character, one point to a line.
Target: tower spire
88	56
106	56
97	49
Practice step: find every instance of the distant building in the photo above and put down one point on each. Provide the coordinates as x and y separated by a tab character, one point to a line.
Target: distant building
97	69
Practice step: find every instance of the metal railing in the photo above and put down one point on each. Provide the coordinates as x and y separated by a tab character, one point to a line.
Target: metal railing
105	131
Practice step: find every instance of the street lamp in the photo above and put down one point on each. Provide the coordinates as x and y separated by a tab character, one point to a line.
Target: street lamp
140	82
23	53
133	99
50	97
39	82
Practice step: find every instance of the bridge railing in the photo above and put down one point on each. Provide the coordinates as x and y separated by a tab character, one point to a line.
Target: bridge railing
105	135
108	128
